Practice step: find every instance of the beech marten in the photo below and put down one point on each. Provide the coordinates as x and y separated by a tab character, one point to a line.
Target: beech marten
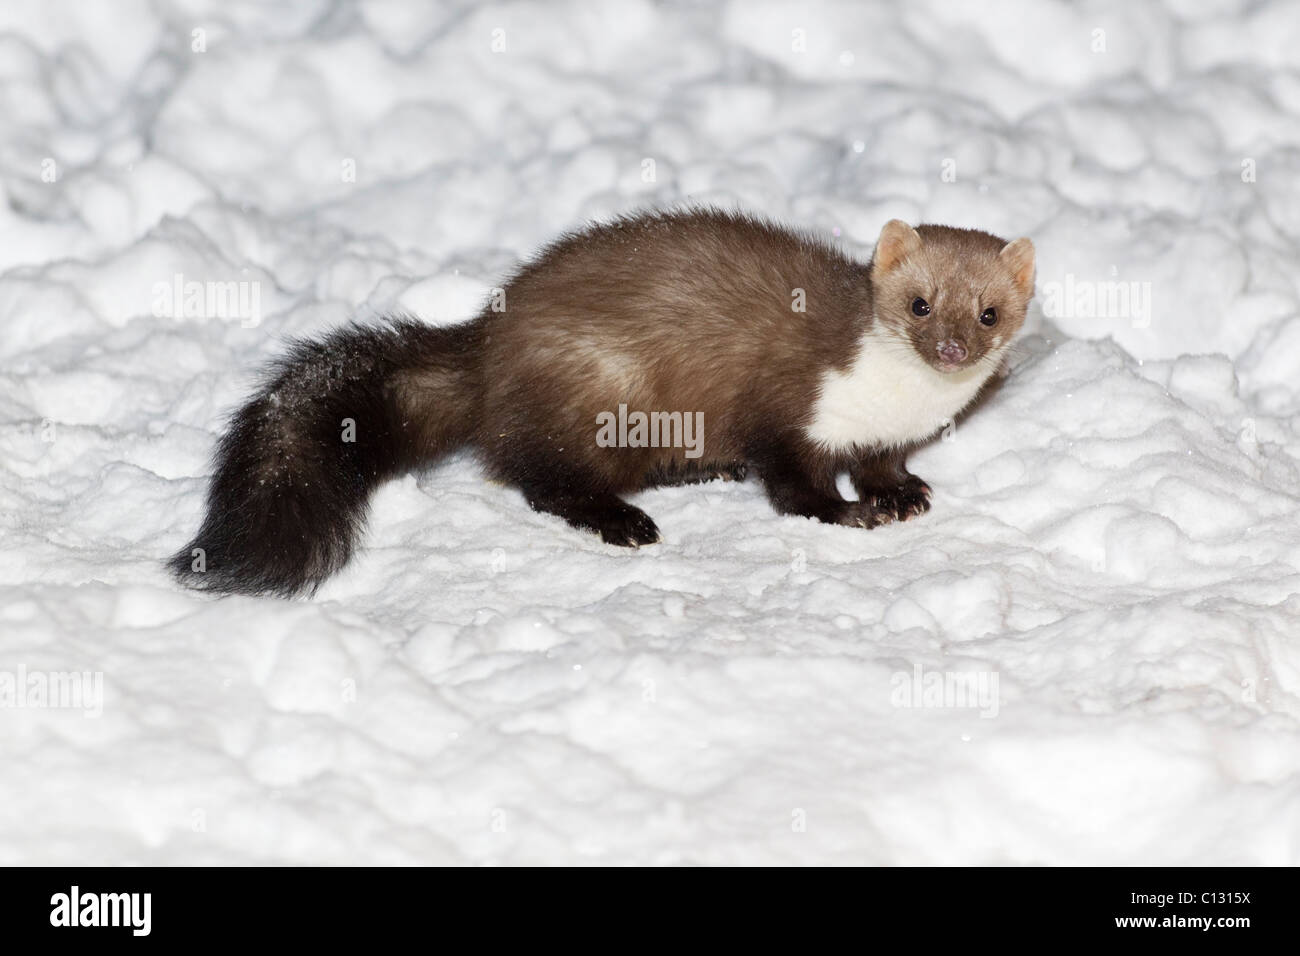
796	362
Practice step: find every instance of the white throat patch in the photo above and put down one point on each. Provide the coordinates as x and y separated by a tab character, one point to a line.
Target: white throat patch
890	396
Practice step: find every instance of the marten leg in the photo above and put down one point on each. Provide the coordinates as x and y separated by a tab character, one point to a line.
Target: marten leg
882	478
581	490
616	521
793	491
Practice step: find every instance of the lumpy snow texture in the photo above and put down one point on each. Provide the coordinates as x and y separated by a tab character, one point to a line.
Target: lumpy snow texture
1085	653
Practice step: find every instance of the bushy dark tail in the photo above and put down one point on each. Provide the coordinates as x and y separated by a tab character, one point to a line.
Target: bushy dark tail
335	418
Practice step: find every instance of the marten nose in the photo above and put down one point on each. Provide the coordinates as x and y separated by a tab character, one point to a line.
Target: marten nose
952	352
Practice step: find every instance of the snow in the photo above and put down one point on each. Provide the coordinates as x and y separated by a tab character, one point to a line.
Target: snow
1113	556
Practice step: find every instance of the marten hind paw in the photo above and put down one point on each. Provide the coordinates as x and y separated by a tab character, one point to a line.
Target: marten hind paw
628	528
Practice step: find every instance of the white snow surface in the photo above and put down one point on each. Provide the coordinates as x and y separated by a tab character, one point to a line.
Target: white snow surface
1115	538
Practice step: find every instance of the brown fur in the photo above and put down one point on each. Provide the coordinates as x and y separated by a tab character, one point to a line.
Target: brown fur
686	312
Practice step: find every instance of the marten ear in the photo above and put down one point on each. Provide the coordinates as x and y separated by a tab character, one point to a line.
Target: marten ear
897	241
1018	257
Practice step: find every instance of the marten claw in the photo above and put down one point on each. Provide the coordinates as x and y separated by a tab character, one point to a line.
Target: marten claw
864	514
908	500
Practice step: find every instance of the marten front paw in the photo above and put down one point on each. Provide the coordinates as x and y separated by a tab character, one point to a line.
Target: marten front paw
863	514
905	501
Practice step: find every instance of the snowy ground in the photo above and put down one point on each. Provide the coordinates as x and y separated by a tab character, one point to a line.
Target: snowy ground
1113	556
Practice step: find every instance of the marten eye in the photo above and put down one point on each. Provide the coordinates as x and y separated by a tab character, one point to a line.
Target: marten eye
989	317
920	307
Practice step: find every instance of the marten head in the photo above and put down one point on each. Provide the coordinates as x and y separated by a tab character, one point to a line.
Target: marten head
958	296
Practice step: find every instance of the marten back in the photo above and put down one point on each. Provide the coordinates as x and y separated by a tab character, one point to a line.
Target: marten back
710	312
